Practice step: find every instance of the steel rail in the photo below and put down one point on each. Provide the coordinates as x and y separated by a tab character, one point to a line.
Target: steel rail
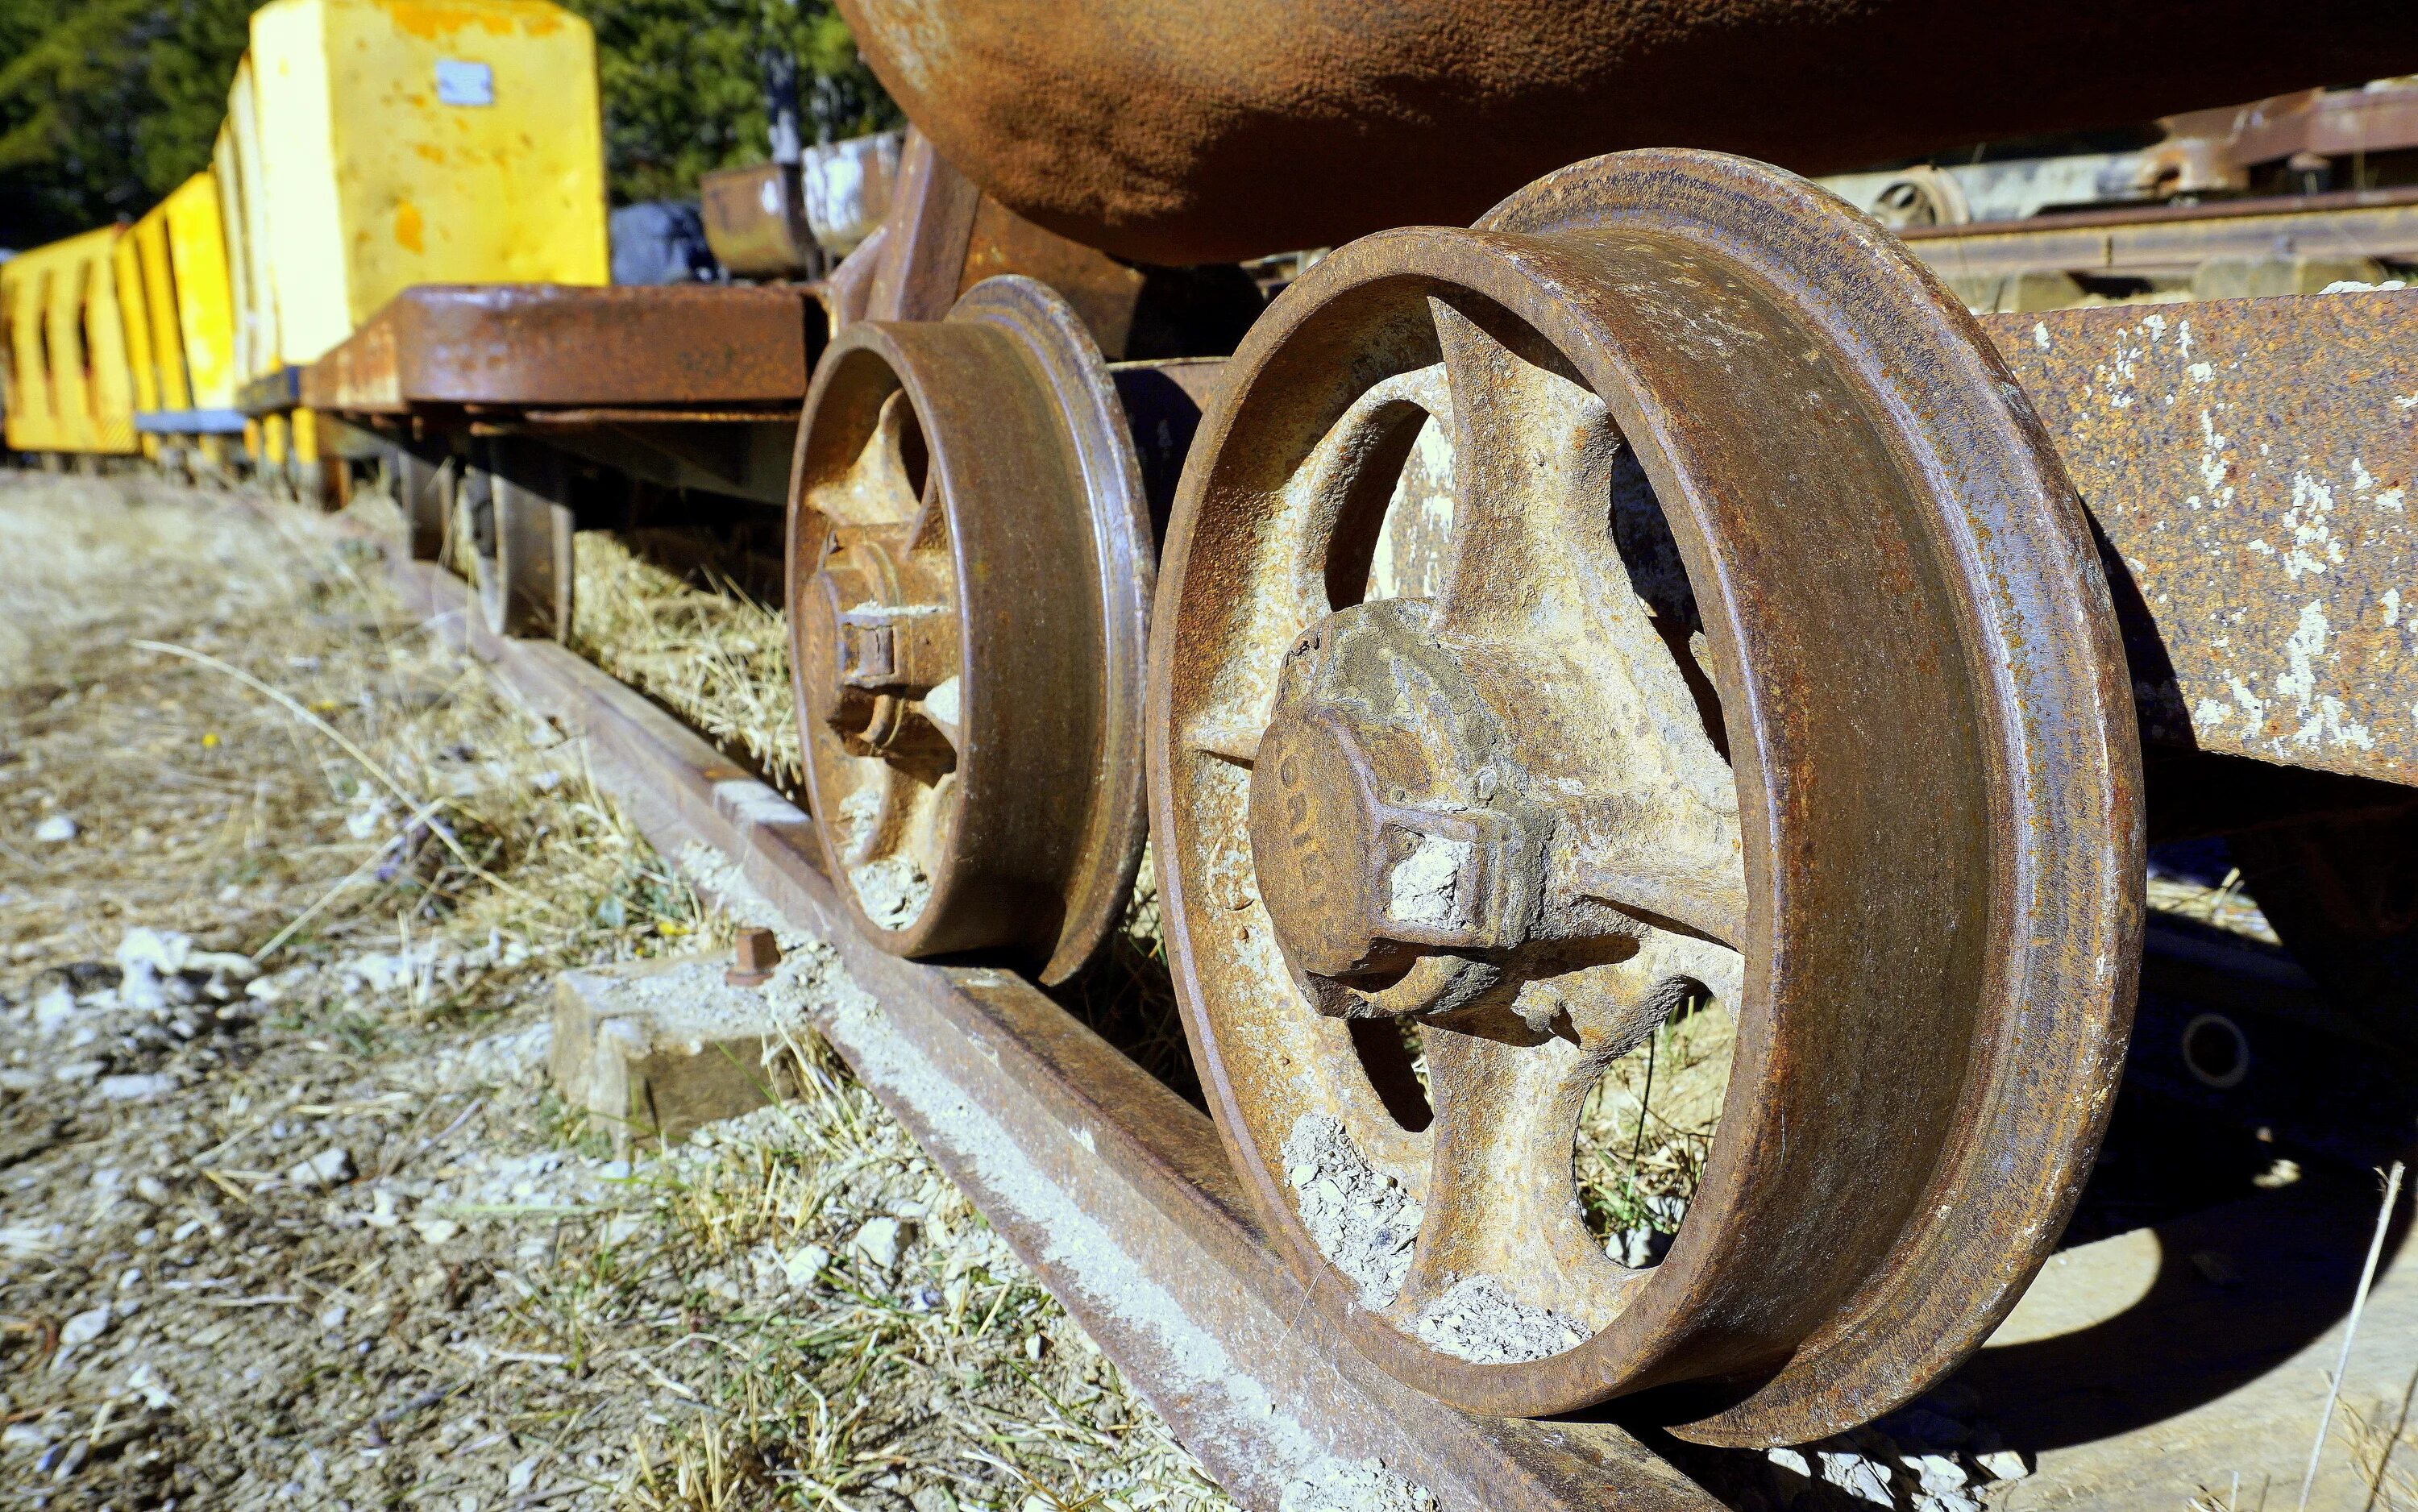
1115	1191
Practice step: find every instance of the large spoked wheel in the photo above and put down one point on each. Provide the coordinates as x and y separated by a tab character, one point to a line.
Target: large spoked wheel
1770	663
970	586
514	525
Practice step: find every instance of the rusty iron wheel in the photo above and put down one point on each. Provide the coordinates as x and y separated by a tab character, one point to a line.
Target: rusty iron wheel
970	582
1771	662
513	532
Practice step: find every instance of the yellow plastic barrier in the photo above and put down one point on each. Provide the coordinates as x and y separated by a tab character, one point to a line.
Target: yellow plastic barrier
71	389
407	142
126	260
197	250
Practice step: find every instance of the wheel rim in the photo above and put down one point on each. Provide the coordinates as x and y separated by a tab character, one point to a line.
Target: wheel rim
970	582
1905	645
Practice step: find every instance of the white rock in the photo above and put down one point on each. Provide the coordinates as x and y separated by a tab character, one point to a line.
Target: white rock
79	1070
1793	1460
1938	1472
163	951
18	1079
878	1241
53	1008
435	1230
518	1479
84	1327
151	1189
23	1436
56	830
139	989
805	1263
1864	1478
137	1089
381	1213
145	1381
2003	1464
331	1167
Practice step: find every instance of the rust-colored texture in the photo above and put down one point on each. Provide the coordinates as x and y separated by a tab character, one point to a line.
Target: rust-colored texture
2249	464
1184	132
543	346
1827	722
2168	240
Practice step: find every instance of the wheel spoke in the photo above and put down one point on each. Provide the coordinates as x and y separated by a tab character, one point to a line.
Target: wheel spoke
1294	592
1504	1267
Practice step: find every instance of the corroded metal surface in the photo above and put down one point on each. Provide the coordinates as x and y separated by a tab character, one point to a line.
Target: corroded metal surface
2249	462
539	346
1181	132
970	581
1837	558
1113	1188
2370	224
512	514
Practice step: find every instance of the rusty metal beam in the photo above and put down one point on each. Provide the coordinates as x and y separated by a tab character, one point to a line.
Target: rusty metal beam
2381	224
2249	464
543	345
1116	1191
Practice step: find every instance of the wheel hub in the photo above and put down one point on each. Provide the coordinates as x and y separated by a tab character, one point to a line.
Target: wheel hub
1386	837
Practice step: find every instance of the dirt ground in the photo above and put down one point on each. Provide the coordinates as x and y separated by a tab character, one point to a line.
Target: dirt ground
286	1213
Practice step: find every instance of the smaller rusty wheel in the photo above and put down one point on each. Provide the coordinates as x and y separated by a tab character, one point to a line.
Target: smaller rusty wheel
1765	660
513	532
970	582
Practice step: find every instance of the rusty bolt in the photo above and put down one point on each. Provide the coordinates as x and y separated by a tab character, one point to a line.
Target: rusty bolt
754	954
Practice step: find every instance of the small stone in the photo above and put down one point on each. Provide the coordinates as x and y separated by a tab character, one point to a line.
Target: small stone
381	1214
2003	1464
56	830
26	1436
79	1070
435	1230
1938	1472
137	1089
53	1008
803	1265
331	1167
879	1242
144	1381
1865	1479
84	1327
1791	1460
932	1499
518	1479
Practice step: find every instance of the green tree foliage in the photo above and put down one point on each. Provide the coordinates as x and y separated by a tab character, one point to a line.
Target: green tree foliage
105	105
683	84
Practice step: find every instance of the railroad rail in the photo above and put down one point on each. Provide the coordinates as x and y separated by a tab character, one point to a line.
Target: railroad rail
1112	1187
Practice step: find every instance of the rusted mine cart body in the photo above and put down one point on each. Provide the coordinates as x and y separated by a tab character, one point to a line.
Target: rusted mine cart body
1181	133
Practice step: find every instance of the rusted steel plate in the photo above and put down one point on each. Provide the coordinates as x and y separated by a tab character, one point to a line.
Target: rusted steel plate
546	346
1115	1191
2177	238
2249	462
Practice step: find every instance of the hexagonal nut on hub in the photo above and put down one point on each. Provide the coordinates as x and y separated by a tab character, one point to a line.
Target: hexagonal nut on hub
1366	860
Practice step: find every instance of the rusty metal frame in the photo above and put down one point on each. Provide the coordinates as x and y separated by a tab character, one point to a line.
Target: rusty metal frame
1115	1191
2248	464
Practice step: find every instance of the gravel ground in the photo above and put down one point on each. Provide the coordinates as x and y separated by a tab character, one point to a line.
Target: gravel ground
286	1214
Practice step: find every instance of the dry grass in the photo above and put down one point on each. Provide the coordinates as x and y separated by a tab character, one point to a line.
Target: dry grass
713	654
488	1311
1647	1127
